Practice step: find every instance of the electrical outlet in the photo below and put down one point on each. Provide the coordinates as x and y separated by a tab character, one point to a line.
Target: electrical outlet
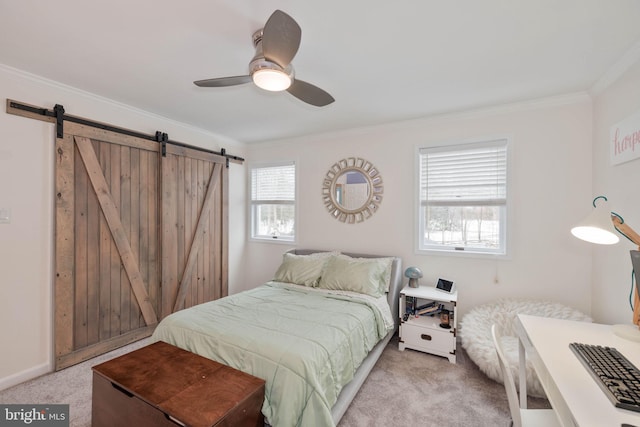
5	215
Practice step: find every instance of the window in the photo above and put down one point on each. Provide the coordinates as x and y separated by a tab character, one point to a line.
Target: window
463	198
273	202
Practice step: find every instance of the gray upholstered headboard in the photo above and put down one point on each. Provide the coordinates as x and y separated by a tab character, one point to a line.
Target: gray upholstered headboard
396	276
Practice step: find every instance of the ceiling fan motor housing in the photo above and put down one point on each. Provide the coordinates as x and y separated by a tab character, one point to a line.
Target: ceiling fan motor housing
278	78
259	62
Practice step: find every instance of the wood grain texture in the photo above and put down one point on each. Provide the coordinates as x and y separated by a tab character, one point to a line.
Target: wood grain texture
96	308
192	229
115	224
198	239
64	246
192	389
132	237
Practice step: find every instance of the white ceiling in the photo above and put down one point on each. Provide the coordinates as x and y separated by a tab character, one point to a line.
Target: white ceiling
382	61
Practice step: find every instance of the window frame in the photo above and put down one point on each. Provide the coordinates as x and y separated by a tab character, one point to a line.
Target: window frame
253	204
507	209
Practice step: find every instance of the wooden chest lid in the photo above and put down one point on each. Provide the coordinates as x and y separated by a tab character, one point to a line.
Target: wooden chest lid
190	388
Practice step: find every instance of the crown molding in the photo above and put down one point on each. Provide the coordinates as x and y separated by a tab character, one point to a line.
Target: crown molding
472	113
218	139
631	57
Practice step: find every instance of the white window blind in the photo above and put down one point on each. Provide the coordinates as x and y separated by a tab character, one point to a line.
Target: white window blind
465	175
273	184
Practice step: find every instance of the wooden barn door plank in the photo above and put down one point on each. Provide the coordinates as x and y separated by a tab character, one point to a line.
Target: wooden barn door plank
104	249
115	263
81	278
115	225
65	248
153	221
134	235
169	232
93	265
222	288
123	234
222	256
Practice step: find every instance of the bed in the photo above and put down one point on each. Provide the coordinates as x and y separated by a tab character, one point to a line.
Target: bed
314	341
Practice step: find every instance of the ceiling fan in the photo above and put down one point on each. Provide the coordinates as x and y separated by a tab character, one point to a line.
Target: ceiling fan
270	69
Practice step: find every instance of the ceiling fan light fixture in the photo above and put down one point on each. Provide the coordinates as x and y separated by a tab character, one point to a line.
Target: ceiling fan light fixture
271	80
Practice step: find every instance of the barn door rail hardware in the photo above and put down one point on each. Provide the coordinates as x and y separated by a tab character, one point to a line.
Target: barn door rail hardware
58	116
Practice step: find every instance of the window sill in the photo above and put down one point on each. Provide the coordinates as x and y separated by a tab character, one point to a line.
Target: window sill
278	240
469	253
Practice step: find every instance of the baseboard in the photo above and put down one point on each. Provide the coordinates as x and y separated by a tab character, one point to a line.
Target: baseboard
25	375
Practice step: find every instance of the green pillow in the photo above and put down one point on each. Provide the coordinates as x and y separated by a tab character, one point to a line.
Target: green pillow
368	276
302	269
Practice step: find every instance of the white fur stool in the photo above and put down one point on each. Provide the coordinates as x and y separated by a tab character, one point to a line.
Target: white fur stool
475	334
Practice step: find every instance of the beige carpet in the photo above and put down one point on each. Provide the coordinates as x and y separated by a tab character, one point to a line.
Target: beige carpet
413	388
404	388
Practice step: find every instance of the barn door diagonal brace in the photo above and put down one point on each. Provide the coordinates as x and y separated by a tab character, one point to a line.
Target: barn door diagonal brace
58	116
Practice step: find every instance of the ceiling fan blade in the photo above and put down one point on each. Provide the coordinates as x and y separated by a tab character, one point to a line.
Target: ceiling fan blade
281	38
223	81
309	93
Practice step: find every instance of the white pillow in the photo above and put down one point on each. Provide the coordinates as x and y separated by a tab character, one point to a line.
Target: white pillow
369	276
302	269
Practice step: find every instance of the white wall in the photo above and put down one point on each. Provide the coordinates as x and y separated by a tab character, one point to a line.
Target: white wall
621	185
550	184
26	187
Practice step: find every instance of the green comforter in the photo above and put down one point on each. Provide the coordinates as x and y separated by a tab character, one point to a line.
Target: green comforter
304	342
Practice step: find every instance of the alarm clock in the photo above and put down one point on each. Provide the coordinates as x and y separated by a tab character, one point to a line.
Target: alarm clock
445	285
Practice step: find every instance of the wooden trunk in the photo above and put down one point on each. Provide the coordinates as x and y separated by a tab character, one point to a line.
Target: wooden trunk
163	385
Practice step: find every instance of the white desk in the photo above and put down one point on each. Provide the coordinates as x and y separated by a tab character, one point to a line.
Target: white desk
570	388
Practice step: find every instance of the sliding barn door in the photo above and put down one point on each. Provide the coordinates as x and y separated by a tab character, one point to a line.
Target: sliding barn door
138	236
107	282
194	224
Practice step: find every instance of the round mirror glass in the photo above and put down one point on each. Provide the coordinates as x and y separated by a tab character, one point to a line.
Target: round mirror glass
352	190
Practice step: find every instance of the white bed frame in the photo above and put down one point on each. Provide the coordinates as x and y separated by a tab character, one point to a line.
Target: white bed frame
351	389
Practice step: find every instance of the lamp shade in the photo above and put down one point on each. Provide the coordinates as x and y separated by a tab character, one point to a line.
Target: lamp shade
597	227
271	80
413	273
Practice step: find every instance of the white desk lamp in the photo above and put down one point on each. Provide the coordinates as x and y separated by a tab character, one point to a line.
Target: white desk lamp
598	228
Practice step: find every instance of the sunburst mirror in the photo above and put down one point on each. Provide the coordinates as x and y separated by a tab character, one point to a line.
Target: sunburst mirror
352	190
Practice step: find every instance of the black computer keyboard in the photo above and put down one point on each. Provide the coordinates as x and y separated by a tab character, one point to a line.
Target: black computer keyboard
618	377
